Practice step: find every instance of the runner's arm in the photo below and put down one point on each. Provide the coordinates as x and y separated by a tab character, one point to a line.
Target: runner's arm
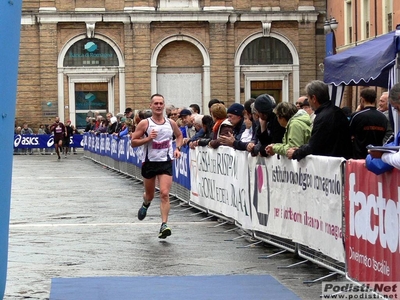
137	137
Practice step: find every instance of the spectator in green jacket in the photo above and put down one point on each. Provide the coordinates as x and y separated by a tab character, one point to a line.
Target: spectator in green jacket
298	128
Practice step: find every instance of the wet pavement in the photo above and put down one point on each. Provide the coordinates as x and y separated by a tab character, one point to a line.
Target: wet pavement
76	218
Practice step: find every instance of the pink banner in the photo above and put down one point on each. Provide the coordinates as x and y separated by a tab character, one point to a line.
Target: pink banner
372	213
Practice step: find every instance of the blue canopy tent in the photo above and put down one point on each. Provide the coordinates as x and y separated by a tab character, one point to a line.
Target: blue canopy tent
372	63
368	64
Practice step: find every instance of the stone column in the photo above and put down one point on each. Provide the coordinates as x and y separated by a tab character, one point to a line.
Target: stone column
141	57
218	55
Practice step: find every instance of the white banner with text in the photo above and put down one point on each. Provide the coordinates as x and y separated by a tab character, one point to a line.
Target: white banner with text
300	201
219	182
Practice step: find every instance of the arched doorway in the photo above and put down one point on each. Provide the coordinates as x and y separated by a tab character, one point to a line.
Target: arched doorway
94	68
267	64
188	81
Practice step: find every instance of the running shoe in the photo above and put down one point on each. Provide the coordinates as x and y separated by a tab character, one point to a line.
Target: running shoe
142	212
164	231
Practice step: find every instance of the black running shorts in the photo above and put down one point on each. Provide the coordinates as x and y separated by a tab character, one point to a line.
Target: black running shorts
151	169
66	142
57	140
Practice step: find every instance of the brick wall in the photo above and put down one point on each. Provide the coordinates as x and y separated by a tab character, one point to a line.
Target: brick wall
41	44
139	94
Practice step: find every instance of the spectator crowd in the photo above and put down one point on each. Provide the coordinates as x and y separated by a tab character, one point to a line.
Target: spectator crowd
260	126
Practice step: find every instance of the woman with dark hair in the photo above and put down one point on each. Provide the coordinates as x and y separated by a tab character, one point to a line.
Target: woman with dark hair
207	123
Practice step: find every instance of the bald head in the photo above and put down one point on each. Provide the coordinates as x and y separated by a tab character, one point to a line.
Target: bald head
383	102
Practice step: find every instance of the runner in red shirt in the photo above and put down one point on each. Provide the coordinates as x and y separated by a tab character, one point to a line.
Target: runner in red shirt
58	129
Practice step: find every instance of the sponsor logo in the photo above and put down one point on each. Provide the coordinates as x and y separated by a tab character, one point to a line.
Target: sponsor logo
50	142
114	146
129	150
261	193
34	141
90	97
181	165
90	142
374	218
17	140
121	148
97	143
108	144
138	154
90	47
102	143
26	140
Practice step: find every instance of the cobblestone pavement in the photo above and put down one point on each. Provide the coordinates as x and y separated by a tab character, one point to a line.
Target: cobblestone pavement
76	218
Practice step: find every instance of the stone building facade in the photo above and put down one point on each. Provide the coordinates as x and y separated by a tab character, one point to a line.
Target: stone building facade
80	56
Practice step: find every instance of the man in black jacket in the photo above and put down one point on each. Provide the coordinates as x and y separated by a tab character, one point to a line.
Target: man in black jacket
368	126
330	135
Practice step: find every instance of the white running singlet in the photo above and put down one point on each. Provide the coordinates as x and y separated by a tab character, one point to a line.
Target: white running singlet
160	149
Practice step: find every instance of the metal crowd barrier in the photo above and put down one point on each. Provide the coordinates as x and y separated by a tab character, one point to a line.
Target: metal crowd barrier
183	194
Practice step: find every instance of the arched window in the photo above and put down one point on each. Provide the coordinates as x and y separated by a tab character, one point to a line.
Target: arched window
266	51
90	53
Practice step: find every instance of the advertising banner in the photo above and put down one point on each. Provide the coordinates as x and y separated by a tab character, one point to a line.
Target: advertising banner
107	146
29	141
372	224
300	201
118	149
137	156
122	143
102	144
219	182
182	169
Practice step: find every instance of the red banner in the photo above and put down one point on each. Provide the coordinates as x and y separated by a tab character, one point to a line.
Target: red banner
372	213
